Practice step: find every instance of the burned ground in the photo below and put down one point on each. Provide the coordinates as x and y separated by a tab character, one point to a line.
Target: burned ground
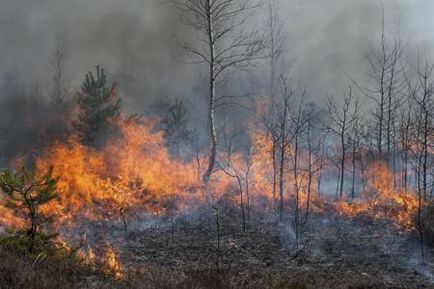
336	252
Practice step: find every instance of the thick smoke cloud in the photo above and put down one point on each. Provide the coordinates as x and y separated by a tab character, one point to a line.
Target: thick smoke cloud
136	41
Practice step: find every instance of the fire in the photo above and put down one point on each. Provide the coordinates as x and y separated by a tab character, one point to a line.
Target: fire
112	266
381	201
135	172
135	175
262	174
8	218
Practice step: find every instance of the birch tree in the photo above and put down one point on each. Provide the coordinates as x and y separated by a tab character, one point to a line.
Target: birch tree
221	44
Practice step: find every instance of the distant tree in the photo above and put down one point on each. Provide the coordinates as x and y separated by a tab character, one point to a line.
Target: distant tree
27	192
98	105
386	86
275	41
283	136
25	118
59	60
175	126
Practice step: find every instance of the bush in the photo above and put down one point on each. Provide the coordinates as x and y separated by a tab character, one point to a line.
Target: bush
21	243
39	247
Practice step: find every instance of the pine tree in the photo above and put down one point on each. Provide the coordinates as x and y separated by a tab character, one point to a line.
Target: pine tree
175	126
26	192
99	105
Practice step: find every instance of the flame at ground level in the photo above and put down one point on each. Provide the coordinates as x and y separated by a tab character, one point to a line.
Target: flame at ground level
135	174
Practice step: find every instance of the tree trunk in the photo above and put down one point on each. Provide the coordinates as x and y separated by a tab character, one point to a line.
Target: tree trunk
310	173
342	170
274	152
297	193
353	181
243	213
211	107
282	156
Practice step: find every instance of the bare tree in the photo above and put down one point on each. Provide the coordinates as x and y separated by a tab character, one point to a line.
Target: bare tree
59	61
405	135
239	170
275	44
342	120
299	120
221	44
268	122
386	85
316	153
322	162
356	152
394	89
424	102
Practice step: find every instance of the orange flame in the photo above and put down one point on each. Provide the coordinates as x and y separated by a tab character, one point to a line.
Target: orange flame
381	201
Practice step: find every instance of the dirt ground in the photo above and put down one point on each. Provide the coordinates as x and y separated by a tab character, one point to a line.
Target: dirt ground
334	251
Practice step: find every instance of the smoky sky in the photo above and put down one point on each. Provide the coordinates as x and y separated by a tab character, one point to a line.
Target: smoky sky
136	40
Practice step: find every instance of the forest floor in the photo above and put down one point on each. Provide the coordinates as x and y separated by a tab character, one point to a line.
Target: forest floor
334	251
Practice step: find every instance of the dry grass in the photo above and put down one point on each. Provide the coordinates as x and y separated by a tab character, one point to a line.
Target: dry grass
22	272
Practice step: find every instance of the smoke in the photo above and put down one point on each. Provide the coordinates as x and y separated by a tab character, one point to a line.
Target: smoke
136	41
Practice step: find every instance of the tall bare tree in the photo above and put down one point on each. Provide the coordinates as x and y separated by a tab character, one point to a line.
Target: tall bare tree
222	44
424	102
316	154
386	85
299	120
406	131
275	44
342	120
59	61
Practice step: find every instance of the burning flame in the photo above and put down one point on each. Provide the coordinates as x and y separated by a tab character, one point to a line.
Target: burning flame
381	201
112	266
135	174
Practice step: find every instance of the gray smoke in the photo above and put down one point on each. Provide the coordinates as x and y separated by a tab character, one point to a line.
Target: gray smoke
136	41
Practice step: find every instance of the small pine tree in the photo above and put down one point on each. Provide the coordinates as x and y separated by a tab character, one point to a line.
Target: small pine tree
26	191
175	126
98	104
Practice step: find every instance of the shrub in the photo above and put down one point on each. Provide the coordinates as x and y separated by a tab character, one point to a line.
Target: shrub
26	192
